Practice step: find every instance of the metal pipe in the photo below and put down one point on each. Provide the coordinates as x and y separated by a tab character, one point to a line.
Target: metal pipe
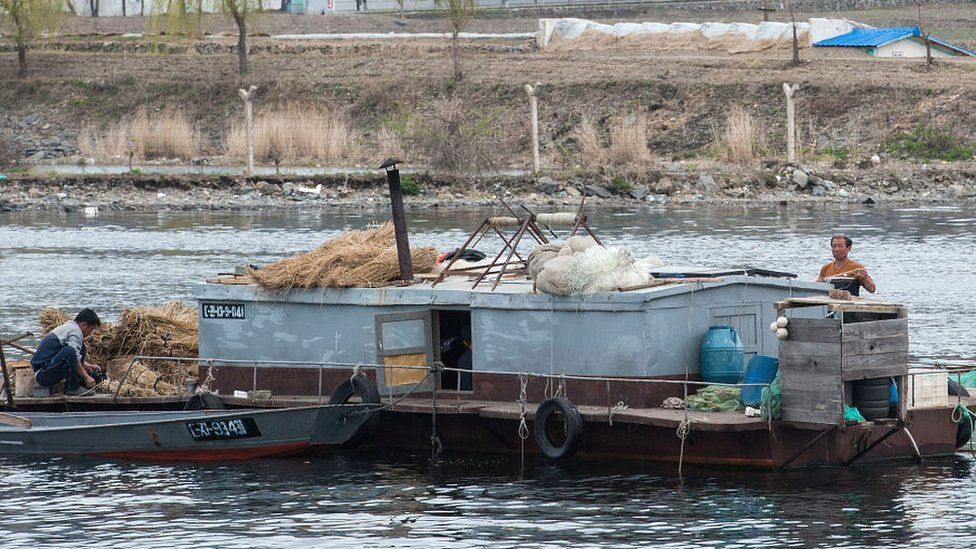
399	219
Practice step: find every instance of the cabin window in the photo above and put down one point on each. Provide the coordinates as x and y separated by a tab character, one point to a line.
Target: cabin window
456	348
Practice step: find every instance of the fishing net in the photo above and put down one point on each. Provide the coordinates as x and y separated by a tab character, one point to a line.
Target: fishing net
353	259
715	398
771	399
581	266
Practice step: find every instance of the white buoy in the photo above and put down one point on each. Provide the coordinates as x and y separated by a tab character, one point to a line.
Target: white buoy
782	334
782	321
773	327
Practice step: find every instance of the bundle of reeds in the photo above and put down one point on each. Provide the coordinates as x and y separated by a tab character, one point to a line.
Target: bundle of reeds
143	380
354	258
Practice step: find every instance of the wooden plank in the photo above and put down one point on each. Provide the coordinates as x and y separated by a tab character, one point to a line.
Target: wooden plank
820	365
16	421
874	365
808	416
806	323
814	335
876	328
854	305
808	348
874	345
812	382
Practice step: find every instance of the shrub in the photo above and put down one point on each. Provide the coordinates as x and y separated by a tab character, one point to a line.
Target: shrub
929	144
620	184
410	186
455	140
9	152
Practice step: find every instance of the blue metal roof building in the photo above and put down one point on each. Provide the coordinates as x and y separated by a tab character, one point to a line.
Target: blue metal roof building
872	39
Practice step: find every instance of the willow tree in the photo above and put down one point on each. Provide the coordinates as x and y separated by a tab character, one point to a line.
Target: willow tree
26	19
458	14
183	18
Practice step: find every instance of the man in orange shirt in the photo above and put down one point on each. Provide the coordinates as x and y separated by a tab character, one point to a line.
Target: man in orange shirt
851	274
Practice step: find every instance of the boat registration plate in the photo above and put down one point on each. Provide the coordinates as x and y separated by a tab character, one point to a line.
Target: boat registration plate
232	311
223	429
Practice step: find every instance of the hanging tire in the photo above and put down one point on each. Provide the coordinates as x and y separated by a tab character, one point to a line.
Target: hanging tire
558	439
957	389
362	387
964	432
204	401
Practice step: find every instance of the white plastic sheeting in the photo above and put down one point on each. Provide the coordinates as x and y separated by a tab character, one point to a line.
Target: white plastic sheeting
731	36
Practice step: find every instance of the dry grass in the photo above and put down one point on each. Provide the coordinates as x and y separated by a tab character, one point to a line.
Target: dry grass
354	258
739	136
167	134
591	151
295	131
628	141
389	144
163	330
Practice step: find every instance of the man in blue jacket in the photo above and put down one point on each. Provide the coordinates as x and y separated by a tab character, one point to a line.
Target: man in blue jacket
61	356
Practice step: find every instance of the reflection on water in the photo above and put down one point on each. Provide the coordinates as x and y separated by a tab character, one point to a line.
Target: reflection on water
918	256
400	501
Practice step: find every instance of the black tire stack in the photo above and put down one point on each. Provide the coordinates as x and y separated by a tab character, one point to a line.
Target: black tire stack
871	397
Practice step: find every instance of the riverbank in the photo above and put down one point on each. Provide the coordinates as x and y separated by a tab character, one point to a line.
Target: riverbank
673	183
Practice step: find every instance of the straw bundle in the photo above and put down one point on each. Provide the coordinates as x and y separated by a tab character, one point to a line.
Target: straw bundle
142	381
354	258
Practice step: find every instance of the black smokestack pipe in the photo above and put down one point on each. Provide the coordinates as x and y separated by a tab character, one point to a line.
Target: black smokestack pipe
399	219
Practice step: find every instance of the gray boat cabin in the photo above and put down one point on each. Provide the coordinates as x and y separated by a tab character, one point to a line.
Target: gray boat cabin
652	332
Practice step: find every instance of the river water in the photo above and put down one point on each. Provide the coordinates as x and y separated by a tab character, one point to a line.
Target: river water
922	257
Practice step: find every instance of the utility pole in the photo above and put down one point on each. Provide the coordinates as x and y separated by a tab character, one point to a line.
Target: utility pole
246	96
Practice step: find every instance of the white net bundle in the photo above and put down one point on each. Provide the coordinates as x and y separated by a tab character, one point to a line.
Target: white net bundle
581	266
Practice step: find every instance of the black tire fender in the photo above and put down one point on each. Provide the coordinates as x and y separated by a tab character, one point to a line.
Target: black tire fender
964	432
572	421
204	401
362	387
957	389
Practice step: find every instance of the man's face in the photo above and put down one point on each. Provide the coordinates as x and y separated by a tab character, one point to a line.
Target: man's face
86	328
838	247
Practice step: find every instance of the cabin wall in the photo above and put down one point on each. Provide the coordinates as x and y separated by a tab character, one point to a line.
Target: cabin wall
629	334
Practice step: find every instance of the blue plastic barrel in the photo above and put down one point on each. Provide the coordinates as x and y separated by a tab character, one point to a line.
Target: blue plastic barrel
721	356
761	369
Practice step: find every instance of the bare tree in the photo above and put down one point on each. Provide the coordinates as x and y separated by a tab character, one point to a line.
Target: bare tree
925	36
791	4
458	14
26	19
183	17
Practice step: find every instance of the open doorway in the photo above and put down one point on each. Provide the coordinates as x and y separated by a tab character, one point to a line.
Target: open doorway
454	336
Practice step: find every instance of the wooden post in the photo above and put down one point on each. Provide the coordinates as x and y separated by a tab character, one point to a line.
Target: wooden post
790	122
399	218
534	106
246	96
6	377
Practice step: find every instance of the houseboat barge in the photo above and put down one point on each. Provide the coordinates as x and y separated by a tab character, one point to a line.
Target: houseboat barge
613	357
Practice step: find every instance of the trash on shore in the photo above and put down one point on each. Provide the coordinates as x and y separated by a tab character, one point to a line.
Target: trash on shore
353	259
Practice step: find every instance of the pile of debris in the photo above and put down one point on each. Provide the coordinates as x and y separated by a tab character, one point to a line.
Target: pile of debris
802	179
364	258
168	330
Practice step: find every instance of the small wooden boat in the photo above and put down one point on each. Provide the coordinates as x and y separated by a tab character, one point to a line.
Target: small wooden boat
200	435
